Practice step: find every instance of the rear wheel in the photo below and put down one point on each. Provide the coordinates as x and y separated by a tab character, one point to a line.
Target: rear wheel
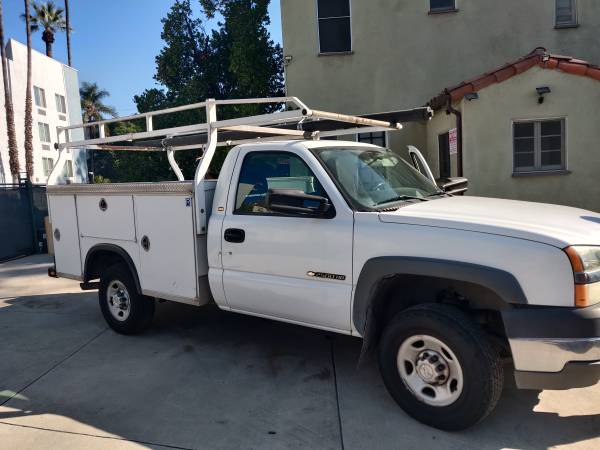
440	367
125	310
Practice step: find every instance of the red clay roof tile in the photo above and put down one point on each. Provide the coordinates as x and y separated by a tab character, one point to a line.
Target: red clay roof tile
538	57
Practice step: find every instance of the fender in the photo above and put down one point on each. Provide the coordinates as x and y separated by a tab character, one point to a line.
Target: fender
503	284
111	248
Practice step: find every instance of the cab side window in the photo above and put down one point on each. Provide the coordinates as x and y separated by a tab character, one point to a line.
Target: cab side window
262	171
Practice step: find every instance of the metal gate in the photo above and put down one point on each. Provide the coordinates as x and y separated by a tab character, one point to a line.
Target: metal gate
22	211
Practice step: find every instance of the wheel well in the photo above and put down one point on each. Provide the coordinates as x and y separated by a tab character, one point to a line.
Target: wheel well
101	257
395	293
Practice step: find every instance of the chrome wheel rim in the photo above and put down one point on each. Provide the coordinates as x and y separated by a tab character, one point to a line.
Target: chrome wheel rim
430	370
117	298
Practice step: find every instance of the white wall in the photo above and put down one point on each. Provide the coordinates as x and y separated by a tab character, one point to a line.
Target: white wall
55	78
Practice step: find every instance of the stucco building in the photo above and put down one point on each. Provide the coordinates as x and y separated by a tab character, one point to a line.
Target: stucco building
55	103
366	56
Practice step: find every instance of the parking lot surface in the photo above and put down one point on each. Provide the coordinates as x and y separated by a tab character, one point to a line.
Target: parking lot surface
203	378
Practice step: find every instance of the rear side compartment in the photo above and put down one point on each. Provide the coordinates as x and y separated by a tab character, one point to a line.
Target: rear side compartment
153	223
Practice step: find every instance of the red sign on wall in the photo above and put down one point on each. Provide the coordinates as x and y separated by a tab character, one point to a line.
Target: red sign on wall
453	137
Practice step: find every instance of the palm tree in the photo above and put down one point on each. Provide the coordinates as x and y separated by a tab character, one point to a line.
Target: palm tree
13	152
92	107
28	101
68	30
49	18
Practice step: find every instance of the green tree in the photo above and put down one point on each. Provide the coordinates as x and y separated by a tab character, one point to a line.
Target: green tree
238	60
92	105
49	18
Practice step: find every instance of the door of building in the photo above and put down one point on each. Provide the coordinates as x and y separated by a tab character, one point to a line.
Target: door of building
444	155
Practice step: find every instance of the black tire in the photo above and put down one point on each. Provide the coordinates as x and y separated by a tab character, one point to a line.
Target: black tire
140	308
481	366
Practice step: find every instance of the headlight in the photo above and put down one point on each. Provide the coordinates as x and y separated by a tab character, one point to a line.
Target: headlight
585	261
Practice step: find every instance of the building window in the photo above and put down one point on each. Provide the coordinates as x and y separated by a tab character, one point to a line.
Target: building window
442	5
61	106
44	132
377	138
539	145
335	34
68	169
40	97
48	164
566	13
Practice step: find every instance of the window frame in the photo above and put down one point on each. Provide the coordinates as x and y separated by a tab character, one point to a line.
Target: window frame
332	211
371	133
47	169
68	169
342	52
46	128
573	23
454	8
537	167
42	95
63	103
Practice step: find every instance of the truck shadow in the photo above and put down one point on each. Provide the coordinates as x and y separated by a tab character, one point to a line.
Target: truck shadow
201	377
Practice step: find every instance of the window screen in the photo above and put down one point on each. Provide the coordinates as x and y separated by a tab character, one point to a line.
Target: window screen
442	5
68	169
377	138
44	132
262	171
40	97
61	106
334	26
539	145
48	165
566	12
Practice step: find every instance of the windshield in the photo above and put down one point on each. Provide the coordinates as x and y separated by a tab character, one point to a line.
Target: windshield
374	176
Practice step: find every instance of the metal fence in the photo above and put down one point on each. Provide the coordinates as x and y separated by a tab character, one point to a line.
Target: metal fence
22	211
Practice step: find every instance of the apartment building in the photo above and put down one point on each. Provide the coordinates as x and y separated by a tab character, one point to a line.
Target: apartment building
366	56
56	103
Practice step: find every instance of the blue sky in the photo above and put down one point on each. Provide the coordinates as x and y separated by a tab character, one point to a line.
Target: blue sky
114	42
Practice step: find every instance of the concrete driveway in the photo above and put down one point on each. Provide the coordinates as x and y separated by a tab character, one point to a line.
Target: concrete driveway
202	378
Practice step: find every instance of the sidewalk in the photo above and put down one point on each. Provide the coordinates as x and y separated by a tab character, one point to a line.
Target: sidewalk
203	378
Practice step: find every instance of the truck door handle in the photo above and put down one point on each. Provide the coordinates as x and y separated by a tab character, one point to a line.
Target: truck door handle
234	235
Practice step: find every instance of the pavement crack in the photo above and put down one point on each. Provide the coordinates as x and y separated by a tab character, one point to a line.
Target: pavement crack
95	436
337	394
66	358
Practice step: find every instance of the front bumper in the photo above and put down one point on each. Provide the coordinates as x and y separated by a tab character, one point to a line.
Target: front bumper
554	348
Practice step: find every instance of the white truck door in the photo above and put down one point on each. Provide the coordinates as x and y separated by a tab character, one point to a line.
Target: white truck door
286	267
419	162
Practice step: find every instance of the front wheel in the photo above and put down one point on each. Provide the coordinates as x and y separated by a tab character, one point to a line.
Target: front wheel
440	367
125	310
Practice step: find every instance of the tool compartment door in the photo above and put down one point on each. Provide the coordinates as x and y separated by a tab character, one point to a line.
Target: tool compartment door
165	230
63	217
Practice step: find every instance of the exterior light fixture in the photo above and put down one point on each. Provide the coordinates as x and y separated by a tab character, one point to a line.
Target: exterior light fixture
472	96
541	91
287	59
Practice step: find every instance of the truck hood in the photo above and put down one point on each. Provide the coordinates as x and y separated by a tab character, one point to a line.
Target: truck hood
556	225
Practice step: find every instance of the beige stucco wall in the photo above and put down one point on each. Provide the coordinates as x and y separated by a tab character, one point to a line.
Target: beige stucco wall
402	56
488	148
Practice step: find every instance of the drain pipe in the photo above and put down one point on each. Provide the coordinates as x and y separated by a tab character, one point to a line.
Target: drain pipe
459	135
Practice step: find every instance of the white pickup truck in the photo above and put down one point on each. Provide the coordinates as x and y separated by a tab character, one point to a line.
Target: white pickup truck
345	237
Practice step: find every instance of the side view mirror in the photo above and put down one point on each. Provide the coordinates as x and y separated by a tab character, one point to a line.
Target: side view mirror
454	185
295	201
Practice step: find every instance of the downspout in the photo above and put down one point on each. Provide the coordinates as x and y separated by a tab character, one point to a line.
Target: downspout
459	134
